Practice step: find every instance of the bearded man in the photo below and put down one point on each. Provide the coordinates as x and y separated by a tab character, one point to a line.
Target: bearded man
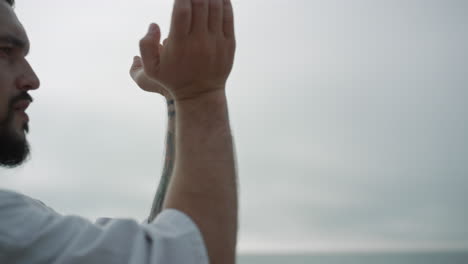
194	216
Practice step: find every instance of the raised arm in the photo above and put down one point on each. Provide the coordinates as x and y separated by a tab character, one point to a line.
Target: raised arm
169	159
149	85
204	180
194	67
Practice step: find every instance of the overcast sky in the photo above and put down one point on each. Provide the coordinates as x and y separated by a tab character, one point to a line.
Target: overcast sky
349	118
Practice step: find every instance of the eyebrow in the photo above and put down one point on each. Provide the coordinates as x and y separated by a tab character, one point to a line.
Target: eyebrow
14	41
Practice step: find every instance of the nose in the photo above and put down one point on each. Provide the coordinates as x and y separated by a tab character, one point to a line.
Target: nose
28	79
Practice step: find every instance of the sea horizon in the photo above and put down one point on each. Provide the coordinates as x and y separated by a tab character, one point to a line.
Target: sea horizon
459	256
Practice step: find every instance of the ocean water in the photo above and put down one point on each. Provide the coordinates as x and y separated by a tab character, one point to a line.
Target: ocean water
359	258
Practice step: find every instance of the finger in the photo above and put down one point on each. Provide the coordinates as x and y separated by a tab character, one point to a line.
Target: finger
181	19
137	62
161	48
200	16
149	49
136	65
228	20
165	42
215	20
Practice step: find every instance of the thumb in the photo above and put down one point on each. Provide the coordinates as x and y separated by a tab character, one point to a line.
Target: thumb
136	66
149	49
137	63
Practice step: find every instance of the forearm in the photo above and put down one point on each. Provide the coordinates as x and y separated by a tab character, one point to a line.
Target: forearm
168	162
204	184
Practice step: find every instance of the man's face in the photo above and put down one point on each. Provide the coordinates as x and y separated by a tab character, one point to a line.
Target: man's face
16	79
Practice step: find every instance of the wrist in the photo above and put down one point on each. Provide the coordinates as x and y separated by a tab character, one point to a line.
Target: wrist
206	112
209	99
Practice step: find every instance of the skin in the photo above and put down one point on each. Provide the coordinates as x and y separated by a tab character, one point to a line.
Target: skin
193	67
17	77
169	163
199	54
141	79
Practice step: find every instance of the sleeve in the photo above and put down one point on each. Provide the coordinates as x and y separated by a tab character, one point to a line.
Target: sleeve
30	234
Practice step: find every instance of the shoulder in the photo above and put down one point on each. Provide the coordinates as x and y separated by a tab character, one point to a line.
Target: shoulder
6	192
21	216
10	199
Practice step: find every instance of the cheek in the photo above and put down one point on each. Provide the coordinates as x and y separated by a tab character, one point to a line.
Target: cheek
3	103
7	88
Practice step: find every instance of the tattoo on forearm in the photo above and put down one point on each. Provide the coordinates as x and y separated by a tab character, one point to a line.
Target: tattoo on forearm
167	171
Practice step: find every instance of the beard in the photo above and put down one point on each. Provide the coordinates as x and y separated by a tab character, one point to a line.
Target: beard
14	148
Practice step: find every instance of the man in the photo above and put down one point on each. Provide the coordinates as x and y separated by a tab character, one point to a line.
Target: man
198	221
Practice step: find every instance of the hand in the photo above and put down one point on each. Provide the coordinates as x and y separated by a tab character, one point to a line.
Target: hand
199	55
143	81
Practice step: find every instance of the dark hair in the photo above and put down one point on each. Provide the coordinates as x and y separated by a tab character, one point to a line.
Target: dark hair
11	2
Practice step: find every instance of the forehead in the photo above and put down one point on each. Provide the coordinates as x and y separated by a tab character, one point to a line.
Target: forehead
9	23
